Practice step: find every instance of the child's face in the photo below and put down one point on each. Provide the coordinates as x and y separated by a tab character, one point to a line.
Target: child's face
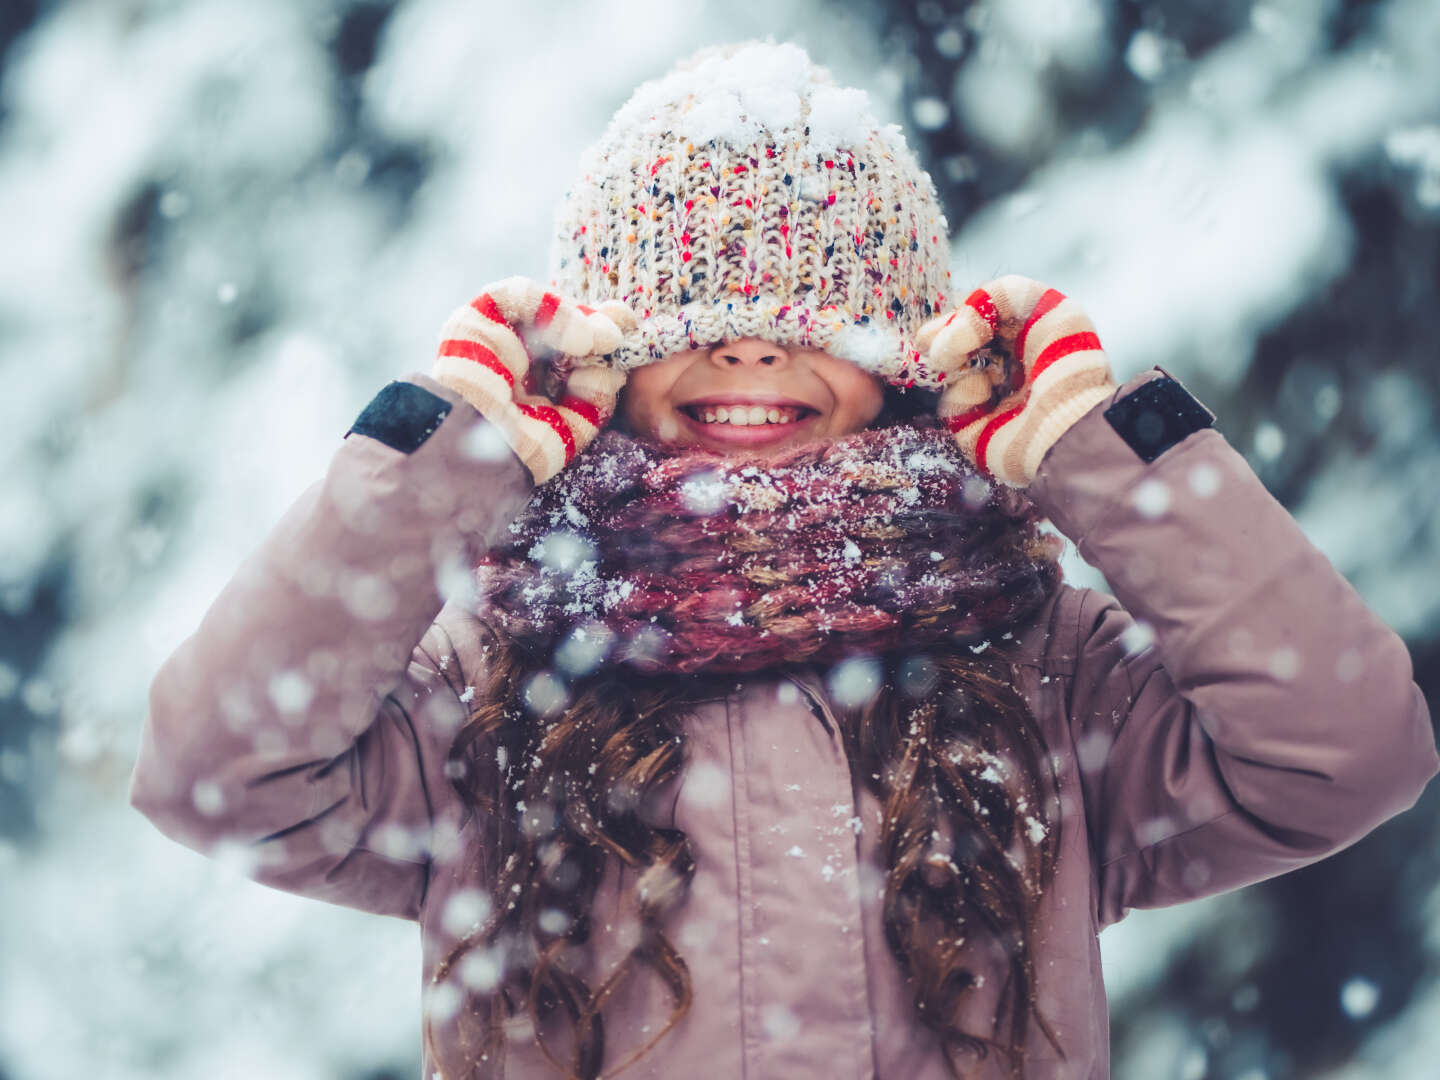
749	396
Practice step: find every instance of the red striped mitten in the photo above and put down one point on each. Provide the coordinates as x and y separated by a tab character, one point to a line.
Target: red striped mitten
1057	373
485	357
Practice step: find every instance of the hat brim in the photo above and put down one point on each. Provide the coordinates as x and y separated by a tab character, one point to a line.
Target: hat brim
882	349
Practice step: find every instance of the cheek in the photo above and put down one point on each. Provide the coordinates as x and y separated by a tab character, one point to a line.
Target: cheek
874	400
640	399
859	397
644	406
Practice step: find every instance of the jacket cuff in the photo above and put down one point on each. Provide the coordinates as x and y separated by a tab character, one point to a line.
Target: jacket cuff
425	453
1102	456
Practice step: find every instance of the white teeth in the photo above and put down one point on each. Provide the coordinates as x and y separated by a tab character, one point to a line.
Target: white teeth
747	415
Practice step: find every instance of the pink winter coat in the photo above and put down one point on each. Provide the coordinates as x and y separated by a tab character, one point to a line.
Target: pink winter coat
1236	713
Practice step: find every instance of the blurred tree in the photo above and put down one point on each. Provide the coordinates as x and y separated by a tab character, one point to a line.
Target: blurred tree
1344	934
1342	951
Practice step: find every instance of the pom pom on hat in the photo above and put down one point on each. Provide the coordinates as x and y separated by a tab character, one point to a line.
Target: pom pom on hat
745	194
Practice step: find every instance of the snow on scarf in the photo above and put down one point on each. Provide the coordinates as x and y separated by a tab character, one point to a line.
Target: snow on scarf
692	561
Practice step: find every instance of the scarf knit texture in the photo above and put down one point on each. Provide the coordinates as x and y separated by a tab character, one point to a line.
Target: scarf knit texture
665	561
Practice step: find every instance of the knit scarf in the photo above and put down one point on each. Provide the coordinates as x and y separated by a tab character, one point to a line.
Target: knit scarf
669	561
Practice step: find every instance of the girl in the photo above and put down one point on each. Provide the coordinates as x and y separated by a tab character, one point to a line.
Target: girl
762	738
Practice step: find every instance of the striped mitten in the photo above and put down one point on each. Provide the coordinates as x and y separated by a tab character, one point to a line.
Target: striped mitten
1056	374
485	357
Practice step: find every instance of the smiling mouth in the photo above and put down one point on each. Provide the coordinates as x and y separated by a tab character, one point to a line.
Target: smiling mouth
747	415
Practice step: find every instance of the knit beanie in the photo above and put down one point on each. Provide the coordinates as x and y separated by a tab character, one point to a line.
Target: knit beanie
745	194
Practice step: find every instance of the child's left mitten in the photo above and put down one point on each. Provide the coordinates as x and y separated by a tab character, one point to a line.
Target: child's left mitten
1007	411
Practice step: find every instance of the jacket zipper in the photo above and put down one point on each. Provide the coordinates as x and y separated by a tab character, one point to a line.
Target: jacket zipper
818	705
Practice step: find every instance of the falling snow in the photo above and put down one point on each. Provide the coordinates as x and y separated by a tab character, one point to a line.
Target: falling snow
290	273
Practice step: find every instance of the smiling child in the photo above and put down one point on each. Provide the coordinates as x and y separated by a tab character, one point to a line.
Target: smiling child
757	734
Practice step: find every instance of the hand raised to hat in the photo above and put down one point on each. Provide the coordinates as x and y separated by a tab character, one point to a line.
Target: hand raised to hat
1022	363
488	354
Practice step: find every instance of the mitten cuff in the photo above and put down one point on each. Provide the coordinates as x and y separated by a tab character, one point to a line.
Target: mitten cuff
539	435
1060	419
483	387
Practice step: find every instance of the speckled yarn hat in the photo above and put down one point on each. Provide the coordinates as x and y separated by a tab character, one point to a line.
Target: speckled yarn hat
745	194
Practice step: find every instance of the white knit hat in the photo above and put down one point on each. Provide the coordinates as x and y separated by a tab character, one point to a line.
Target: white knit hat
745	194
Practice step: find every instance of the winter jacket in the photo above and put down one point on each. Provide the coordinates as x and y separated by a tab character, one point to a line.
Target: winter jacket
1233	712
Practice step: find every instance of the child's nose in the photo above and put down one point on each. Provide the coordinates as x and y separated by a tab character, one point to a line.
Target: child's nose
750	352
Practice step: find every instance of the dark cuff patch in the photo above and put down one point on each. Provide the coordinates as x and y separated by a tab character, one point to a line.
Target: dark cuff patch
1157	415
402	415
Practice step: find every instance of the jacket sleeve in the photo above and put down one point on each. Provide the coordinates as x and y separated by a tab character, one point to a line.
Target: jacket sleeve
300	730
1236	709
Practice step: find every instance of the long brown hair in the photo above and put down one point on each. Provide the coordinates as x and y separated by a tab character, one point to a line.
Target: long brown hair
970	836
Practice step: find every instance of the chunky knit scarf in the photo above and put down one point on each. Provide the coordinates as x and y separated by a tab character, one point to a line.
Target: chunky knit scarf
698	562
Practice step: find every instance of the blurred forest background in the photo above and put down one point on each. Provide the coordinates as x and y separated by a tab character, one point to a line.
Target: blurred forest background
227	223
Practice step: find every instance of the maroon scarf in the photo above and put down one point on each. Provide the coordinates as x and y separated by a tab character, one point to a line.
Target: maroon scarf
889	538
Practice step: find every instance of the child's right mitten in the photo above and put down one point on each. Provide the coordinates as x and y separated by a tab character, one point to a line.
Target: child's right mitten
487	356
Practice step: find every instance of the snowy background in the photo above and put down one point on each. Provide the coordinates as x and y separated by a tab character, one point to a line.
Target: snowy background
228	223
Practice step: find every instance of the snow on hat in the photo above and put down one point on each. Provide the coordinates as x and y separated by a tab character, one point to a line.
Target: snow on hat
745	194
